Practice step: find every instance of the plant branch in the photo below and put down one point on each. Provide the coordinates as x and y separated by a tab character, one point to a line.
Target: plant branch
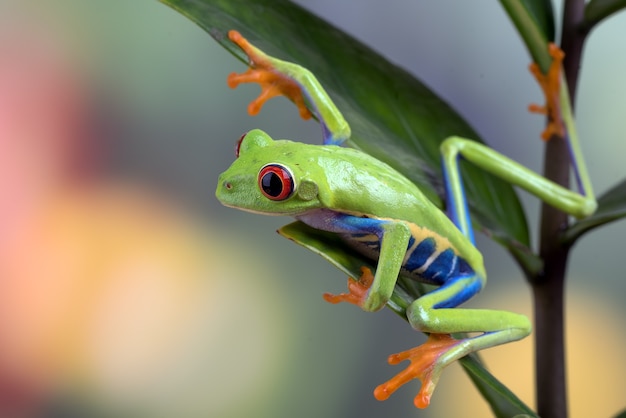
549	287
548	294
597	10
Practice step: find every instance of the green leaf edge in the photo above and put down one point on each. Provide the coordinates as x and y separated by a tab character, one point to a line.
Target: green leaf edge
543	13
494	391
534	36
611	207
621	414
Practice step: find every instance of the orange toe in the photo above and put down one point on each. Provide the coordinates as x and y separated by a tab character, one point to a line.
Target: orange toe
273	83
357	290
550	85
423	361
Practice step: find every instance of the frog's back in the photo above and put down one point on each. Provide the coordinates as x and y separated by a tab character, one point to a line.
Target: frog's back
358	182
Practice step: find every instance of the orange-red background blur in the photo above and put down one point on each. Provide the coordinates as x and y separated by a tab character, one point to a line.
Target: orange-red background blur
127	290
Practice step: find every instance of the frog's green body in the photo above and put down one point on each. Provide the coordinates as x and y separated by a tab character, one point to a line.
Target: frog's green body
341	181
385	217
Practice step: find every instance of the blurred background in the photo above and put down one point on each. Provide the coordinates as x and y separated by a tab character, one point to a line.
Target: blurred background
127	290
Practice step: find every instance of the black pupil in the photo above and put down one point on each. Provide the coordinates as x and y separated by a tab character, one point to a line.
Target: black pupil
272	184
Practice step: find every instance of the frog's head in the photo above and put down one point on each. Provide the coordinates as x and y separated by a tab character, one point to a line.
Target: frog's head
269	177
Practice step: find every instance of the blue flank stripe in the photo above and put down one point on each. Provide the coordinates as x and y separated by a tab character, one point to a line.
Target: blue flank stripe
466	292
420	254
442	267
446	266
446	269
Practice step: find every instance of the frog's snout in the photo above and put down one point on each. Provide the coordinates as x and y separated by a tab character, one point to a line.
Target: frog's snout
224	185
230	189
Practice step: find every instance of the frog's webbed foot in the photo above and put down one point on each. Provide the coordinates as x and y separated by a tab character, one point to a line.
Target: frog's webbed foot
272	81
550	84
357	290
425	366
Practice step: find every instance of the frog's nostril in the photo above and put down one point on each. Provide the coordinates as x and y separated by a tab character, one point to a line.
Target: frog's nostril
228	185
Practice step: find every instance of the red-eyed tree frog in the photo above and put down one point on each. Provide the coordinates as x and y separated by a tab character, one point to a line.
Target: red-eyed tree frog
386	218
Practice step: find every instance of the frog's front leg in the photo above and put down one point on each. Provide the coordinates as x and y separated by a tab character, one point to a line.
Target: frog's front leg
387	237
277	77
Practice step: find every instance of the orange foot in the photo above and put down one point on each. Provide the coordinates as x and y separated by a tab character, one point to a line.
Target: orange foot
423	367
550	83
357	289
273	83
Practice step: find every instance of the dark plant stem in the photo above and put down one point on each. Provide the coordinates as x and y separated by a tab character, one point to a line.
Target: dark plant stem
549	286
572	41
548	292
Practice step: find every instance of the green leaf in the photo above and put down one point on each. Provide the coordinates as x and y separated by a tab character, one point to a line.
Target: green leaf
534	20
621	414
543	15
611	207
503	402
597	10
328	245
393	116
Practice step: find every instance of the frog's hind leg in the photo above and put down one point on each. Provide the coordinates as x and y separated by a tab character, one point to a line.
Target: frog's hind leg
435	313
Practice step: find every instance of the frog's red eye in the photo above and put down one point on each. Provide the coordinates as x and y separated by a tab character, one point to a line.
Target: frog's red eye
276	182
238	145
